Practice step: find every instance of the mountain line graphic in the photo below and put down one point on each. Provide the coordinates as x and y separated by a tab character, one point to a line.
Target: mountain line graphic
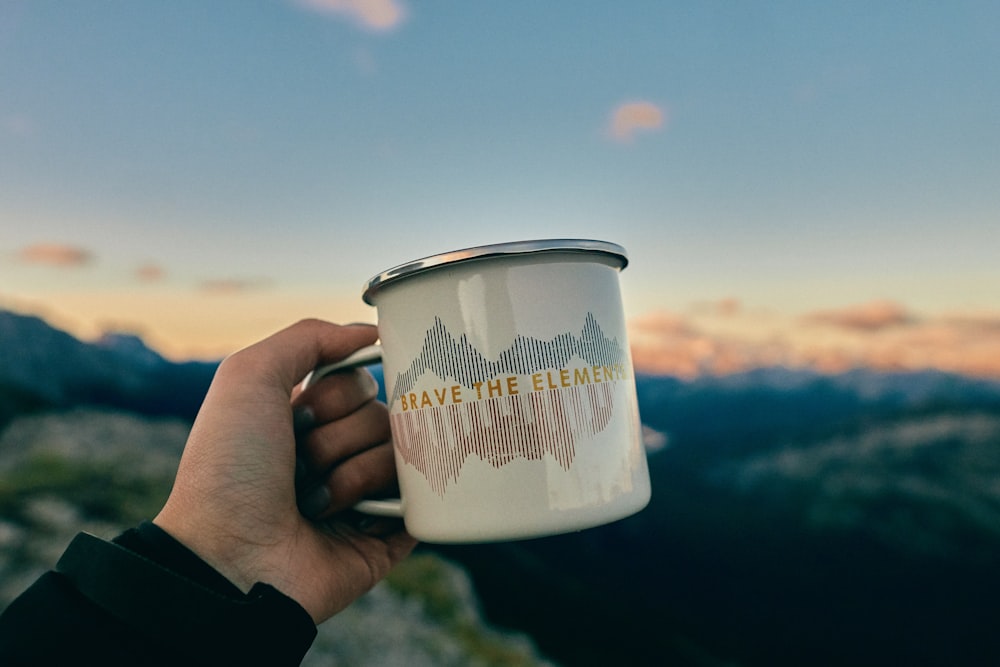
458	360
438	440
527	425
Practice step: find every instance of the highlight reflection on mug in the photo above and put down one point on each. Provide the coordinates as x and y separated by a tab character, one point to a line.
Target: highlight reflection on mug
537	398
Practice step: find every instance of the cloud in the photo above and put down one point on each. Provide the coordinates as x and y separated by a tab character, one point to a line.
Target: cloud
629	118
978	323
726	307
671	344
55	254
653	440
880	335
969	346
662	323
375	15
150	273
964	345
870	316
232	286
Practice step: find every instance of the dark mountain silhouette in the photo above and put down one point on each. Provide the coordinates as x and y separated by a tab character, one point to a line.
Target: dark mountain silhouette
42	367
796	518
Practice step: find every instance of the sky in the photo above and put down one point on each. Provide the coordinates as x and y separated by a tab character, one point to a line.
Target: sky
800	183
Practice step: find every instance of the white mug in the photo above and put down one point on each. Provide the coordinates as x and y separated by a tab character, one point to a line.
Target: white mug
510	389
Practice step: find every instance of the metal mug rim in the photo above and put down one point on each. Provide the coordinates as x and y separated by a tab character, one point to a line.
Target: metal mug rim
439	260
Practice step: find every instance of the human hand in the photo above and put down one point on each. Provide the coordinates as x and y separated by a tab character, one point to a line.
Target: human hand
234	499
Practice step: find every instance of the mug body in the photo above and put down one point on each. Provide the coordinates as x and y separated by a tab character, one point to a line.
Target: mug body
511	391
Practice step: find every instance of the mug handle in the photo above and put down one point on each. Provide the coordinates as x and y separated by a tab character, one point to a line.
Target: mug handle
366	356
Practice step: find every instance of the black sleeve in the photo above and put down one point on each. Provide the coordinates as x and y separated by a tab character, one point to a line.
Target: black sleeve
145	599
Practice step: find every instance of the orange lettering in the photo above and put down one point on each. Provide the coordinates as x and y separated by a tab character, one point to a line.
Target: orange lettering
548	376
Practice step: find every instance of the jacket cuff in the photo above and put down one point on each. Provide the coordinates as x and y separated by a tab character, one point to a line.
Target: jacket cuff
217	623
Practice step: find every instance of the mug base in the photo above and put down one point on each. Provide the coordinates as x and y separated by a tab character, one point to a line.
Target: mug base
555	523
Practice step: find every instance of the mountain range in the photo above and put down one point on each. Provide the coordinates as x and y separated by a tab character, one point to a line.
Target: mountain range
797	518
42	367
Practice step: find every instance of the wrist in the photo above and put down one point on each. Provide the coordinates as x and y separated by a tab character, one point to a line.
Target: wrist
224	554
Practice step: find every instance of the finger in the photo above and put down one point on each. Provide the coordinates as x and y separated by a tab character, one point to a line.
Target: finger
366	524
368	473
334	397
329	444
381	542
380	527
290	354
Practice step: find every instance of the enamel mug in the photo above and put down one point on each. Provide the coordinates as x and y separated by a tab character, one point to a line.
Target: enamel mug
510	389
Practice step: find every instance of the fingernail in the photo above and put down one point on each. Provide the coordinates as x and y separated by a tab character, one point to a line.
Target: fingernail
303	418
314	501
368	381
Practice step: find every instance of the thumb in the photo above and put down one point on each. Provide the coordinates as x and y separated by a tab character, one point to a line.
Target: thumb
290	354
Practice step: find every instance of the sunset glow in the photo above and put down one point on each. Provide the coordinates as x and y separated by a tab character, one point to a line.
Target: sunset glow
810	186
873	335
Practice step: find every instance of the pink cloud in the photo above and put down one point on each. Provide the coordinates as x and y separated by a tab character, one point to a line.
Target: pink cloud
987	324
870	316
666	343
376	15
880	336
150	273
629	118
231	286
969	346
661	324
726	307
55	254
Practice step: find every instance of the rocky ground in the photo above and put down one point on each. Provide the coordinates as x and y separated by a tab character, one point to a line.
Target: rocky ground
102	471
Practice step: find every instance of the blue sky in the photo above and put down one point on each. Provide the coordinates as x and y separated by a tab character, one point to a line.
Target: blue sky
192	167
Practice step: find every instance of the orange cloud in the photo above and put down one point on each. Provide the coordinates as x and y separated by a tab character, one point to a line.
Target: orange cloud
879	336
969	346
631	117
377	15
55	254
983	323
229	286
661	324
150	273
727	307
666	343
870	316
